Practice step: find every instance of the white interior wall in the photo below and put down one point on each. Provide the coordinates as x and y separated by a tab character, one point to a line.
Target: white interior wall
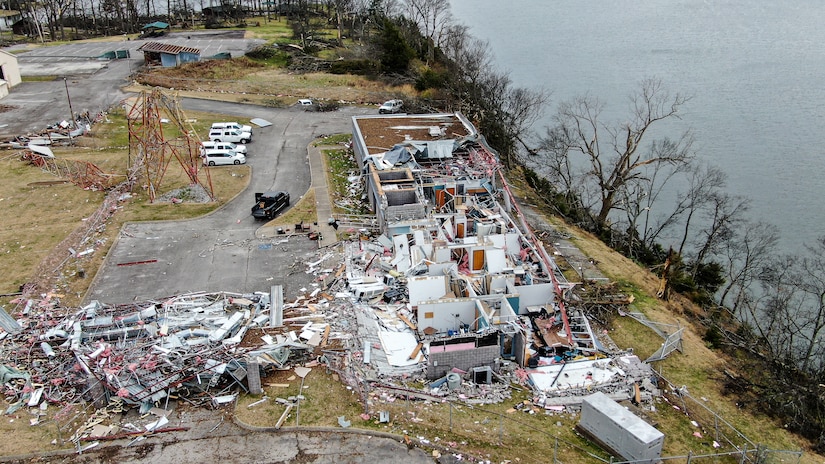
426	288
446	315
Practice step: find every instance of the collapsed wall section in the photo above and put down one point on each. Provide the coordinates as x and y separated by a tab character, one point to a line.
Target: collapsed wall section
464	354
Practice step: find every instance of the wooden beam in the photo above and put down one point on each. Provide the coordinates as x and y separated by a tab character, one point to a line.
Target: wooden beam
325	337
283	416
416	351
407	321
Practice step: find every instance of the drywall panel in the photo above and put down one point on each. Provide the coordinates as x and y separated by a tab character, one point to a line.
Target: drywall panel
534	295
419	238
402	253
498	240
398	346
447	227
513	244
498	283
426	288
442	254
438	269
496	261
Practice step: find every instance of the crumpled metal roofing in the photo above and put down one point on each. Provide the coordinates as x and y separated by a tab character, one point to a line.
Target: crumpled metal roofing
160	47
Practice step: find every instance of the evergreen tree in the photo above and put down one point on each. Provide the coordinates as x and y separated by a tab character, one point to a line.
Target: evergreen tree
396	53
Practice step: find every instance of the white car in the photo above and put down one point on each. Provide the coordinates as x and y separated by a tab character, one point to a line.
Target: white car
232	125
212	145
223	157
307	104
229	135
391	106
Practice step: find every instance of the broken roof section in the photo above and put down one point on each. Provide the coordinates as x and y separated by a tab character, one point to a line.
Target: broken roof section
160	47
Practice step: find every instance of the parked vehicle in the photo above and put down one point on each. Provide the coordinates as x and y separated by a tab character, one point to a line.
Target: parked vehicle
307	104
223	157
232	125
229	135
269	204
391	106
212	145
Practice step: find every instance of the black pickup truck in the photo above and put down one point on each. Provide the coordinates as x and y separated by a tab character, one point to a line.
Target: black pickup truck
269	204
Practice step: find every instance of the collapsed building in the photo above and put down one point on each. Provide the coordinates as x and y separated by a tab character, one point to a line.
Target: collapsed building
479	290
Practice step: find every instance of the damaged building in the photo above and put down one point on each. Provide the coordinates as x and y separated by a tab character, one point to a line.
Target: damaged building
480	289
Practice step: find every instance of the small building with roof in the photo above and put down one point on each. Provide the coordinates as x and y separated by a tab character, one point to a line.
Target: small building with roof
168	55
8	18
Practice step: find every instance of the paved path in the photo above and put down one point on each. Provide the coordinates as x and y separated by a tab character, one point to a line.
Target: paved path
323	201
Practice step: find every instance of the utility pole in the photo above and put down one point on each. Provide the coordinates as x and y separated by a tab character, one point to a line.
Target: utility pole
68	97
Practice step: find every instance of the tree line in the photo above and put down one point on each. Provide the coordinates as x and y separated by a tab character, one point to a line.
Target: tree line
646	193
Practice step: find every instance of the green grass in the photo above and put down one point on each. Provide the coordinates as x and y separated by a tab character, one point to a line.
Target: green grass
334	139
340	165
271	30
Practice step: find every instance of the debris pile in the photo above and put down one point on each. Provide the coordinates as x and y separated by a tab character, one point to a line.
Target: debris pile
141	354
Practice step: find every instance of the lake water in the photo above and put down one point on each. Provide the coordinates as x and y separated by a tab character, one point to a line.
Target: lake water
755	69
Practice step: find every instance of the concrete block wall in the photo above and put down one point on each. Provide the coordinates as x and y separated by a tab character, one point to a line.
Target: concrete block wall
406	212
441	363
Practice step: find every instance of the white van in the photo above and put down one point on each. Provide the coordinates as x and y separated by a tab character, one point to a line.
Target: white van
229	135
211	145
219	157
232	125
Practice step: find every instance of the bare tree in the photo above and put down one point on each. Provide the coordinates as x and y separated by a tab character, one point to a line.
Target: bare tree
744	257
502	112
340	9
55	12
614	155
724	214
652	225
812	283
788	312
433	18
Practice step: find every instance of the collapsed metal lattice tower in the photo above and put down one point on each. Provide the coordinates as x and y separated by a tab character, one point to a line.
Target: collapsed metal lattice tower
84	174
153	150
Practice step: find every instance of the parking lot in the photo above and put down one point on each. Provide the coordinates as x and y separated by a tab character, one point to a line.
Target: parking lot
84	82
217	252
221	251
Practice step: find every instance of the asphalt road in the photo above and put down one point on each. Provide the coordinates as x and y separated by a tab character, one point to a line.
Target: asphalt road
216	253
220	252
